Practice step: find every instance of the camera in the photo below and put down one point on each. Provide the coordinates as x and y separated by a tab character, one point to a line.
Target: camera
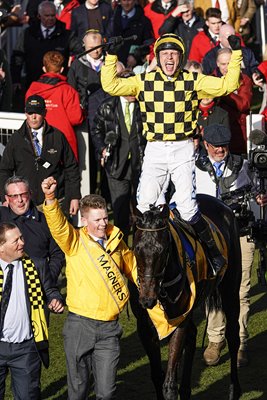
238	201
255	230
258	158
111	141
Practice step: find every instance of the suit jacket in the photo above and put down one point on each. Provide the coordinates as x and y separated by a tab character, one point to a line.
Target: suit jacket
79	19
138	25
38	239
110	118
248	65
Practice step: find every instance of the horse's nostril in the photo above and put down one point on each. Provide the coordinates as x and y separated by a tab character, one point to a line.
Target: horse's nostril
147	303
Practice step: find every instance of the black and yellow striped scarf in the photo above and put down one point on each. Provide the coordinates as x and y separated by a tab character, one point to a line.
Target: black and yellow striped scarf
35	294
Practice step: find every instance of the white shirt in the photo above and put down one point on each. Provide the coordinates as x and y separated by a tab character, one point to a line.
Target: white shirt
223	8
214	37
50	30
97	238
96	64
130	14
166	6
131	107
90	7
17	323
190	22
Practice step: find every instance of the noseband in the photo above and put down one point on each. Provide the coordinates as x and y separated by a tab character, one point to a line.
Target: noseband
151	229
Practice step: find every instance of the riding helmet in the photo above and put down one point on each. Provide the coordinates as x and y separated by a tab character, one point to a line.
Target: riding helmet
169	41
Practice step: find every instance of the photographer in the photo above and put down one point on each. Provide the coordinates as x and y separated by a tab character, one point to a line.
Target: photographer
227	176
117	138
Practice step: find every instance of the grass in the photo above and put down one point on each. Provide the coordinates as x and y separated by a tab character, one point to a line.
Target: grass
133	376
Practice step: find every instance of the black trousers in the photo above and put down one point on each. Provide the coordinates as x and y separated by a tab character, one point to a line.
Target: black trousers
24	364
123	195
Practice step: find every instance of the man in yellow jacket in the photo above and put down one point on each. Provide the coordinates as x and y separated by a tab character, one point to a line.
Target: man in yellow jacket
96	258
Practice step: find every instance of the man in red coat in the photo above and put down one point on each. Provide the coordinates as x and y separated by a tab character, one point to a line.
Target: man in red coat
207	38
61	99
237	104
158	11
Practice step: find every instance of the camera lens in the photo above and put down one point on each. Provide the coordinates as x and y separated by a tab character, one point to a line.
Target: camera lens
260	160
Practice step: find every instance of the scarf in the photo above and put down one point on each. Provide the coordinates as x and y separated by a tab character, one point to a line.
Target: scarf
35	295
205	110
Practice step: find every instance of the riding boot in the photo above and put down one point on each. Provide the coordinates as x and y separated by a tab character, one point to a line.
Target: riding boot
204	233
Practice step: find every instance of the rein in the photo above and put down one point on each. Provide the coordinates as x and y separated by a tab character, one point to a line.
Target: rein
162	273
151	229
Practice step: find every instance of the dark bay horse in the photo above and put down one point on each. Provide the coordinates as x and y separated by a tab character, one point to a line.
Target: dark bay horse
159	281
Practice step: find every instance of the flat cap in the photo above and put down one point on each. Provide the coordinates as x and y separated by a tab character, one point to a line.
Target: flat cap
217	135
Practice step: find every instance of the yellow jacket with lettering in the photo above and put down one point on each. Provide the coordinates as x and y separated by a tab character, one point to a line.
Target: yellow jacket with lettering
95	287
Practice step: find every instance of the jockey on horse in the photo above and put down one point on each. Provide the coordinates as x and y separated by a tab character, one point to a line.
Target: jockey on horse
168	100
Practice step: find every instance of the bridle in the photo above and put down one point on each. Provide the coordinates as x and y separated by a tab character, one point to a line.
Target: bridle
159	276
151	229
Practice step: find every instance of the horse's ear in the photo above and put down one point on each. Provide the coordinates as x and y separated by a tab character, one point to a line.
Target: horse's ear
137	213
165	211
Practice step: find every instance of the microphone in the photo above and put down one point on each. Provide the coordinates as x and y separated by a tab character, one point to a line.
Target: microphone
108	152
110	141
126	39
258	137
105	45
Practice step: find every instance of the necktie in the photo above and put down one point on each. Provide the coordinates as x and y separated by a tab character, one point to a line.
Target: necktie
46	33
217	4
36	143
58	10
127	116
124	21
101	242
217	166
6	296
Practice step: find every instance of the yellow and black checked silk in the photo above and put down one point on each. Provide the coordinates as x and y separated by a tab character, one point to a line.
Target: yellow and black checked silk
169	108
1	283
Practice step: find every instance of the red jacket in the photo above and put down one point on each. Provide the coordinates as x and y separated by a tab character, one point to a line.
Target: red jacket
156	17
62	104
237	104
65	15
201	44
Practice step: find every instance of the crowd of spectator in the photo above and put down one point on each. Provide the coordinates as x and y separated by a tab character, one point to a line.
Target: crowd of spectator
56	66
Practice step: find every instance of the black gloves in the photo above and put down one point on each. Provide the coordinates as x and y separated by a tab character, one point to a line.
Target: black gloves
235	42
115	44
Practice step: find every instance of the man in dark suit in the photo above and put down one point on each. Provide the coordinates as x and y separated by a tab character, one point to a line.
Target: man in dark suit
209	63
42	36
129	19
93	14
118	140
25	284
32	224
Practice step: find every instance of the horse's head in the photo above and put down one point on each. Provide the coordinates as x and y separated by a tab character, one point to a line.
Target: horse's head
151	245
